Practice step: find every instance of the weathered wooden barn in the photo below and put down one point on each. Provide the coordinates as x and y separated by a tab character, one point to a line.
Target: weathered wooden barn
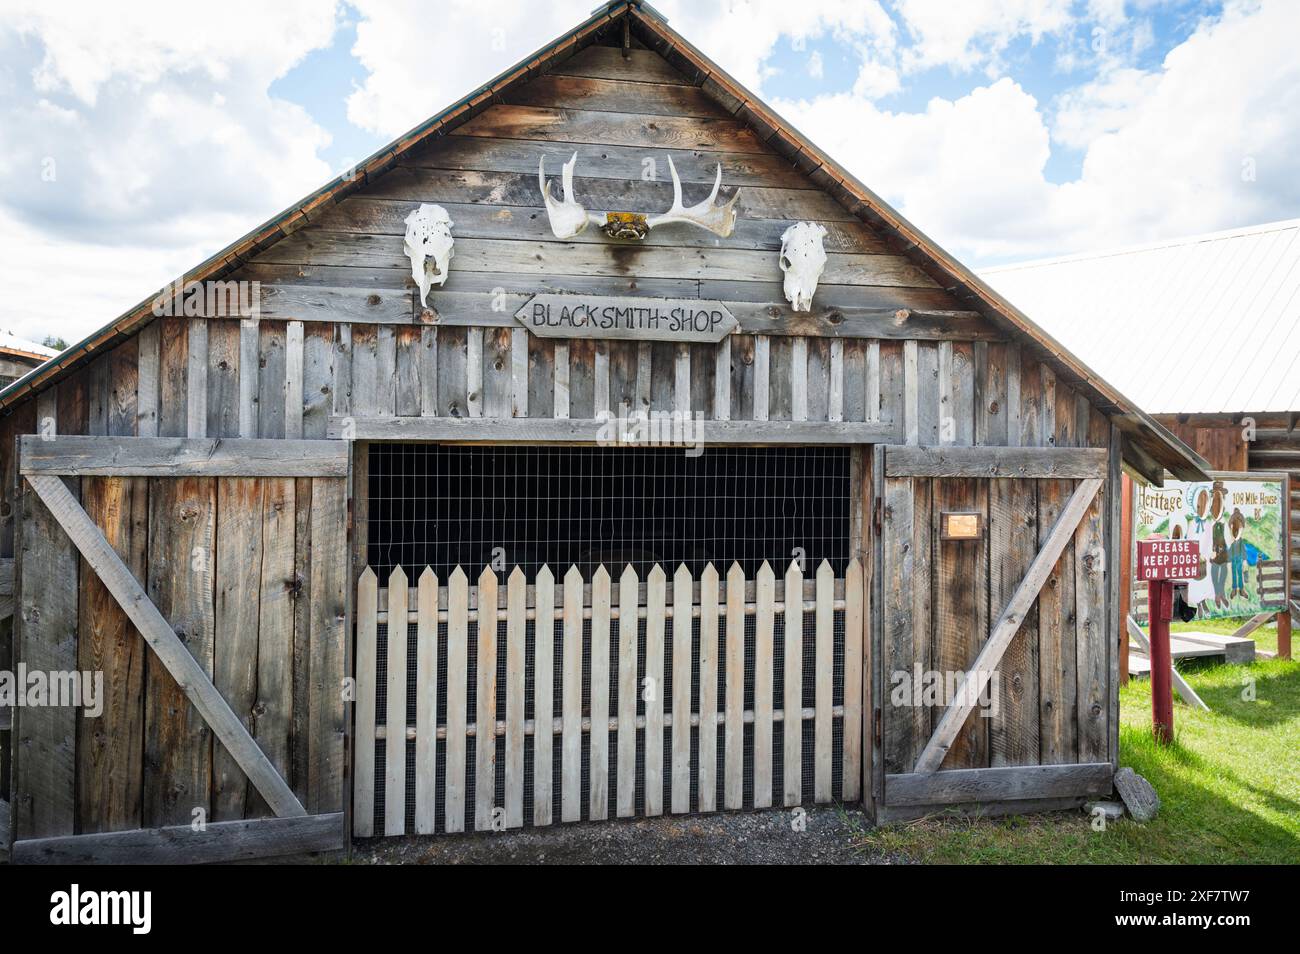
363	564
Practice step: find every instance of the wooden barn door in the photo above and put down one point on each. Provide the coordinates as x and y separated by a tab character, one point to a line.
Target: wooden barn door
994	629
206	581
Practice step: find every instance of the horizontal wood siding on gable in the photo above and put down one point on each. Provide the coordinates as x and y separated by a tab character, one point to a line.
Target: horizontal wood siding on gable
625	117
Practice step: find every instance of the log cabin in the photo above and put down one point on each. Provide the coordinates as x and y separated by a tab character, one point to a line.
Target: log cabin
361	558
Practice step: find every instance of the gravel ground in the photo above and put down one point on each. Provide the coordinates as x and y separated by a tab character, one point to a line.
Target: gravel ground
764	837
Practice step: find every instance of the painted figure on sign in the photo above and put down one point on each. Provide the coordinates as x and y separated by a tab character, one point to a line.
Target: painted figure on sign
1237	553
1218	544
1200	591
429	247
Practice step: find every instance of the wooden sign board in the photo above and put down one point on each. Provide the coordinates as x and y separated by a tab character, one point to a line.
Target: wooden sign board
1168	559
640	319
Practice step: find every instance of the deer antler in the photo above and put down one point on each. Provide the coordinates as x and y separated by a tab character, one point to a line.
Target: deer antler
718	219
568	218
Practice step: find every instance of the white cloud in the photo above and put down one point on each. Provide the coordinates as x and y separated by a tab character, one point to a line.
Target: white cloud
875	80
423	57
1164	150
816	69
974	33
419	63
58	285
959	170
140	135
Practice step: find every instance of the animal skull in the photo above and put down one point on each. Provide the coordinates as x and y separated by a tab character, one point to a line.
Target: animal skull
568	218
802	260
429	247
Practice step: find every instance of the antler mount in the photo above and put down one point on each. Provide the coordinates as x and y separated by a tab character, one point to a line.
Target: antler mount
568	218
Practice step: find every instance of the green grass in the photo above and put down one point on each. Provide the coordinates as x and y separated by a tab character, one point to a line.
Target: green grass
1229	787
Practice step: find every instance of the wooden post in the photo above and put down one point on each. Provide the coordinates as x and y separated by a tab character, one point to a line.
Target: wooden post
1160	607
1125	570
1284	615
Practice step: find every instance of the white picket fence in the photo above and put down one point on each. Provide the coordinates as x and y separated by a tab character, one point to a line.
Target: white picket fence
656	665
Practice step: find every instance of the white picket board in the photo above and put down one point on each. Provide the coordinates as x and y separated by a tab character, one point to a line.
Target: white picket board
764	624
681	650
516	630
571	687
543	695
426	703
792	727
707	797
628	691
734	733
457	704
395	726
824	684
485	704
652	690
598	760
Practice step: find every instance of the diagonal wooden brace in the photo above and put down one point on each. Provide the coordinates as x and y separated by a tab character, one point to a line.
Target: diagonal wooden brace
162	639
977	677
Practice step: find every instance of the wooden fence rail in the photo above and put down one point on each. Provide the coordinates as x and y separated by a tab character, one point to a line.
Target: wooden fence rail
642	712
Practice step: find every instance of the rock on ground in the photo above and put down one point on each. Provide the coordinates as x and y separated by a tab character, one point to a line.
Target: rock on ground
1112	810
1139	797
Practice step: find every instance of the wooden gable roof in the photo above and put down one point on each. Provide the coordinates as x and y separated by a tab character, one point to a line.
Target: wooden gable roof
1148	445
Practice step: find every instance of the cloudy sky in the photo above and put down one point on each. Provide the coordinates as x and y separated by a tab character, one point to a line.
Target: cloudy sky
137	138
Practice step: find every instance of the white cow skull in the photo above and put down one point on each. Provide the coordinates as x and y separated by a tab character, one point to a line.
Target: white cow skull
802	260
568	218
429	247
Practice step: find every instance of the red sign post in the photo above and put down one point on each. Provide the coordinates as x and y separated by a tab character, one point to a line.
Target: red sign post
1160	563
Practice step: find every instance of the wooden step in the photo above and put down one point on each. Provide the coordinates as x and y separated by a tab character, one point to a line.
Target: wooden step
1193	645
1235	649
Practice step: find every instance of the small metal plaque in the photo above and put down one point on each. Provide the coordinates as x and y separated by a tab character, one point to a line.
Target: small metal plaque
961	525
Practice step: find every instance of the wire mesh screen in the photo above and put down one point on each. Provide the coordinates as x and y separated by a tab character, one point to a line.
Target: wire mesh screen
444	506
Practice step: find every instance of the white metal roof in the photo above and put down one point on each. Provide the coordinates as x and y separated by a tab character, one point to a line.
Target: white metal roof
13	343
1206	324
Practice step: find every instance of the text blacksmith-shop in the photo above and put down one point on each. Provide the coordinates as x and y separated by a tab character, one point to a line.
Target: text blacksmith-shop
340	527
